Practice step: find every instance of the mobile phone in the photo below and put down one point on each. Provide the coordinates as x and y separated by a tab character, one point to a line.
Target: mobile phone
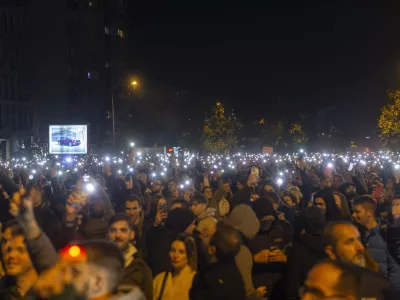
85	178
163	207
351	166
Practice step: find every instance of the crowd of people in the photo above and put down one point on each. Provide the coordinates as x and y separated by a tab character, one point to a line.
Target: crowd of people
307	230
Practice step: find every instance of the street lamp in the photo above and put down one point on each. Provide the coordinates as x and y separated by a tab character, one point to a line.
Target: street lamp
134	84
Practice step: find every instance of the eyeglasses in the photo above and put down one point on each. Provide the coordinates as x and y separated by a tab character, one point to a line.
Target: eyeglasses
317	294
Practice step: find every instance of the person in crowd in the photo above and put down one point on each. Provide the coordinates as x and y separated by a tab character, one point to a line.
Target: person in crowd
221	279
20	273
241	184
393	229
312	173
343	205
308	249
269	248
220	201
177	281
173	191
96	227
245	221
325	201
136	271
133	208
157	187
335	279
160	237
180	203
337	182
364	215
343	242
205	217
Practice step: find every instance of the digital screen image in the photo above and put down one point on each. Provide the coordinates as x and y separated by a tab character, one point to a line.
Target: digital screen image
68	139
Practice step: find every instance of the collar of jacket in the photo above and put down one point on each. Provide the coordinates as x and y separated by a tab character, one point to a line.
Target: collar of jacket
129	254
209	212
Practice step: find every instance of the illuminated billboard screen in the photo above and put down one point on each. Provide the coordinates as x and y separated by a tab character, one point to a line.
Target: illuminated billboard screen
68	139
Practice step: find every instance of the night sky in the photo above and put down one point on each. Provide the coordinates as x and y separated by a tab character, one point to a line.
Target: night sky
274	57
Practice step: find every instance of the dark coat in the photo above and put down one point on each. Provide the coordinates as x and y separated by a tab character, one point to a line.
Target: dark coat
139	274
159	240
219	281
302	257
47	221
272	233
378	250
393	241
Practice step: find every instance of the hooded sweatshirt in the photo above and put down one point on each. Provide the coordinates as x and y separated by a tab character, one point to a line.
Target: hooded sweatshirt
245	221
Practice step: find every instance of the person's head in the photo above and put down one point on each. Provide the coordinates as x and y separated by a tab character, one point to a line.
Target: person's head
97	210
270	186
98	266
364	211
180	203
325	201
343	205
349	188
320	203
343	242
133	208
311	221
142	176
198	204
295	191
241	184
179	219
187	195
172	186
227	186
333	279
208	192
273	198
224	244
337	181
289	200
325	182
120	230
396	206
263	207
183	253
157	186
16	258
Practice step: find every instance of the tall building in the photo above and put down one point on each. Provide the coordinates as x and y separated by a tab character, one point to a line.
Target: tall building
15	104
59	60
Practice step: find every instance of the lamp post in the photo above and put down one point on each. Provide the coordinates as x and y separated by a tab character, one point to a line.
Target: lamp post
134	83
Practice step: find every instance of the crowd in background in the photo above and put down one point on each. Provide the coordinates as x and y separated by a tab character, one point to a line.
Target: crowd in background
306	230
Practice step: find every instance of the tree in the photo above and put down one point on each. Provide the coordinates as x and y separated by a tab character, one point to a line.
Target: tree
297	133
220	130
388	121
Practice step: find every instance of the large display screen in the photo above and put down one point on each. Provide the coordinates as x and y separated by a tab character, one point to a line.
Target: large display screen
68	139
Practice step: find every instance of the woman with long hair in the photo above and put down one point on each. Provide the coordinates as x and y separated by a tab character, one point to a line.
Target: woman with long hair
177	281
325	201
343	205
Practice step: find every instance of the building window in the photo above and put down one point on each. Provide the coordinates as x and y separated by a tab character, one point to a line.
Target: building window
107	64
121	33
89	75
106	30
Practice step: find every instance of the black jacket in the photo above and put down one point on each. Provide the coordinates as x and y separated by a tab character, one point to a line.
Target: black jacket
219	281
47	221
139	274
302	257
393	241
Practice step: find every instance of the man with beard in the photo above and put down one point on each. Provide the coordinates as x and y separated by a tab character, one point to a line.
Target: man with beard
136	271
134	210
343	242
364	215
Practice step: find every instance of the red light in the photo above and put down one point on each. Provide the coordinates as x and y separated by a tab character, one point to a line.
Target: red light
170	150
73	253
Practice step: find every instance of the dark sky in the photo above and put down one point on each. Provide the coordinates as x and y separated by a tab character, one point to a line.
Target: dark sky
307	54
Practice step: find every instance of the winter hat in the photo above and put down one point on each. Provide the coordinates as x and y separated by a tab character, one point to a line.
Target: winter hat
179	220
263	207
243	219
